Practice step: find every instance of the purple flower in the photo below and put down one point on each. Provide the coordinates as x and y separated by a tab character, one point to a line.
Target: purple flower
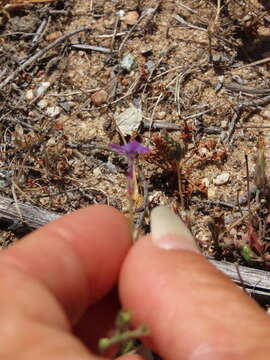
131	149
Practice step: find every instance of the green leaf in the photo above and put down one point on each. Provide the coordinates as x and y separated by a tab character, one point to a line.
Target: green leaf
246	253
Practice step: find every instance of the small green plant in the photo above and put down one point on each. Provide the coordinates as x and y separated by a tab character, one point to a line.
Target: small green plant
124	337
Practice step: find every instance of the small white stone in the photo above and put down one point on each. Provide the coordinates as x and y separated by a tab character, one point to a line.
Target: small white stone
97	172
222	179
129	120
42	104
121	14
43	87
53	111
29	95
223	124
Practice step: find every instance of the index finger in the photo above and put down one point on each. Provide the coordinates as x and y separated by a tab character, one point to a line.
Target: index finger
77	257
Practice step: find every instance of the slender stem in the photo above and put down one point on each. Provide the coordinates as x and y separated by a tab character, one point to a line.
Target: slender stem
105	343
131	218
180	189
248	188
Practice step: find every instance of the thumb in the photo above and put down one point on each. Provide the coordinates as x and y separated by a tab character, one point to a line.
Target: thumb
192	309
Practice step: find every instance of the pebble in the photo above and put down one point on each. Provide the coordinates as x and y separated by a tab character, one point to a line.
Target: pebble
53	111
53	36
161	115
42	104
224	124
222	179
5	178
131	18
149	65
99	97
129	121
43	87
127	63
29	95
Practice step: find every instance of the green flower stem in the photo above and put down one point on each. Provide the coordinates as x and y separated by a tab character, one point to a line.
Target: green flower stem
105	343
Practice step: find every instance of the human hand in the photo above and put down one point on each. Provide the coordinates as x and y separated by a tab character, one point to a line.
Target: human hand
59	278
194	312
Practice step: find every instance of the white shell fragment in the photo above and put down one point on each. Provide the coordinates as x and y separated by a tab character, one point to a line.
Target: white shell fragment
129	120
222	179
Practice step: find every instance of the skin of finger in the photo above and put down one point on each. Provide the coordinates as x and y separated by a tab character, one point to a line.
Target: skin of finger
45	343
193	310
107	308
33	325
77	258
130	357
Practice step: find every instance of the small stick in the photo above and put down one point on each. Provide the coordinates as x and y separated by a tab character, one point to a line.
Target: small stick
91	47
219	203
199	114
252	127
149	124
106	36
245	89
40	31
114	33
184	23
40	53
248	188
218	11
258	102
91	6
233	123
259	62
16	202
145	203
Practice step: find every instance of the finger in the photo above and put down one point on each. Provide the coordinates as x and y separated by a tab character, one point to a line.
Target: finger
107	308
58	271
192	309
77	258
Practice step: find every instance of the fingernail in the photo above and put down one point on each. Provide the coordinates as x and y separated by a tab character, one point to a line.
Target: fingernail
169	232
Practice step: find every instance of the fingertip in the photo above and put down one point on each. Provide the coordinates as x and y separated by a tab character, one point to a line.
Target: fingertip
188	304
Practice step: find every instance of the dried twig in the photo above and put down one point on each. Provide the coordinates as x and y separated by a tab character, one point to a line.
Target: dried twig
32	216
232	125
258	102
259	62
245	89
149	124
91	47
41	30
